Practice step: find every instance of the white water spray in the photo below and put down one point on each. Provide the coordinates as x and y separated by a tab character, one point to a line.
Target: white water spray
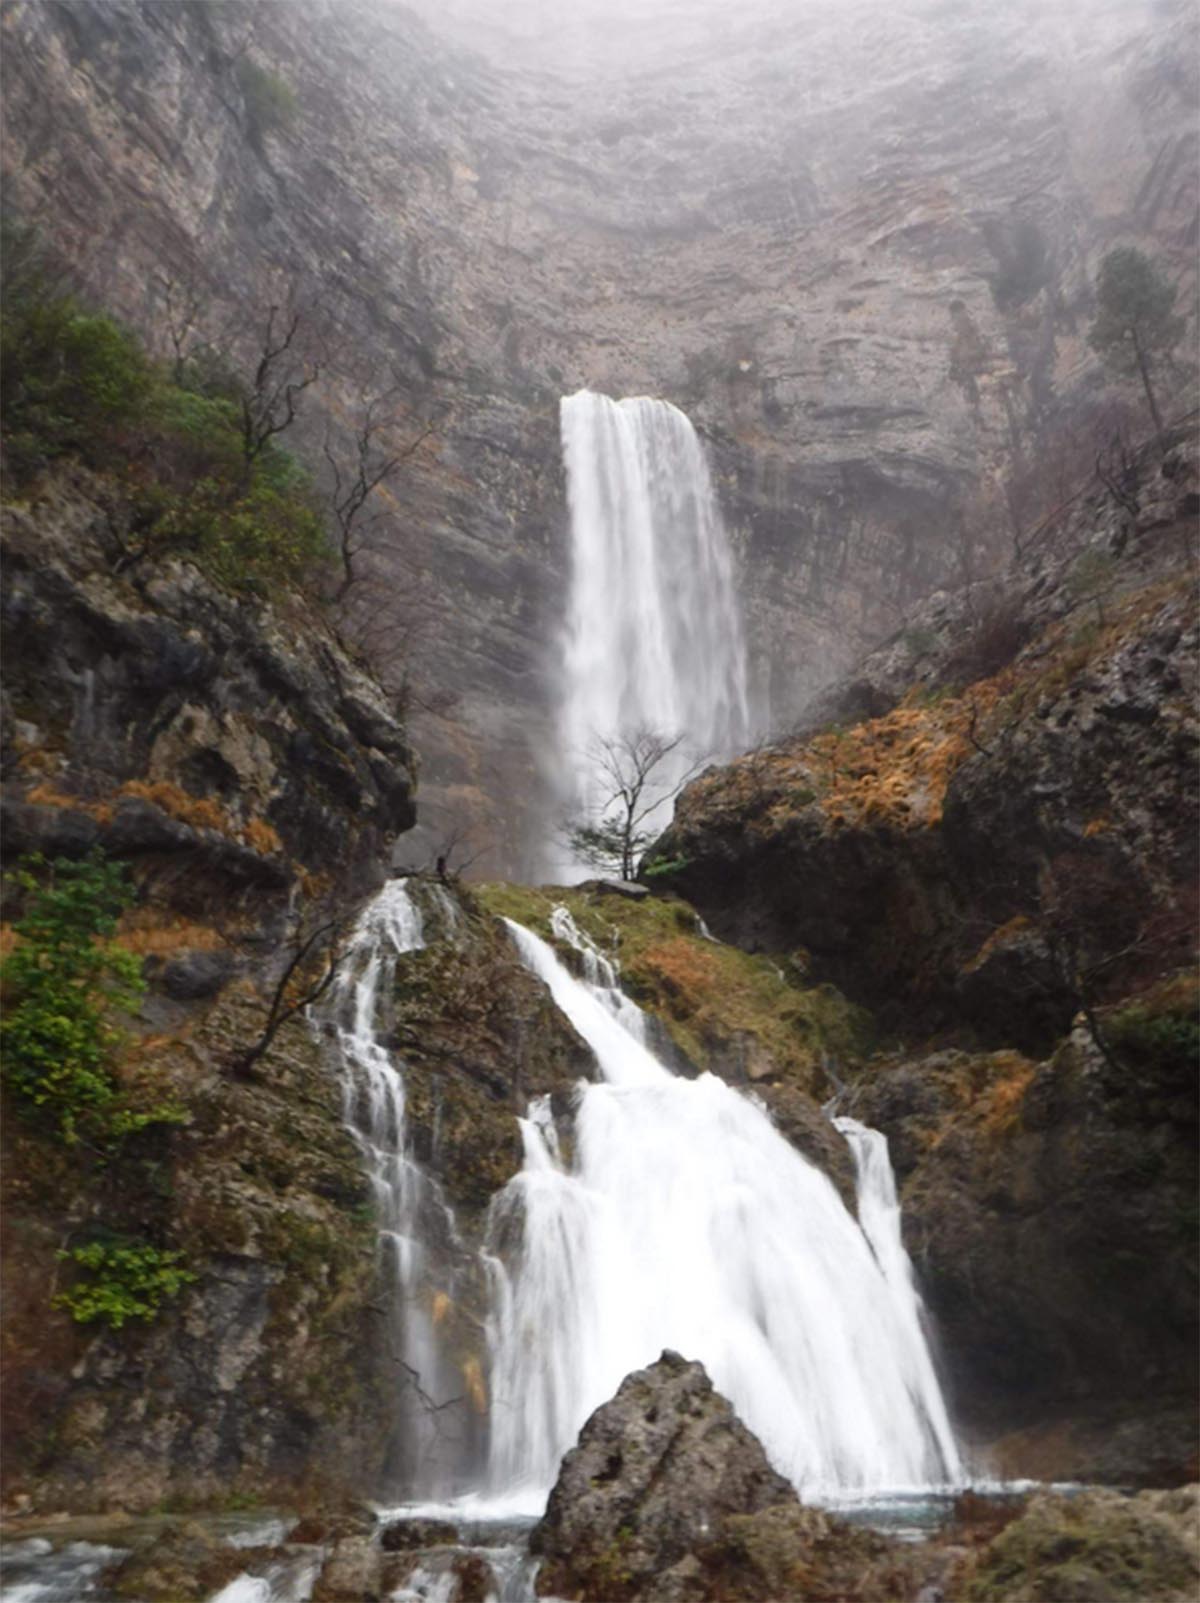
411	1215
686	1220
654	635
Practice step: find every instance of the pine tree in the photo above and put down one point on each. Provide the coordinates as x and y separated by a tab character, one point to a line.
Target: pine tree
1136	326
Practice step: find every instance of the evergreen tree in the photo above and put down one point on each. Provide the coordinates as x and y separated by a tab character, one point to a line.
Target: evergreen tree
1136	326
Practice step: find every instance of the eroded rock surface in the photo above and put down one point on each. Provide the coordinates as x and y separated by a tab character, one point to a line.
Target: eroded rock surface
656	1471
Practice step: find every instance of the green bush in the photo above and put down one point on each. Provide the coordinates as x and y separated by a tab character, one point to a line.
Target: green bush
70	378
73	382
121	1279
271	103
1164	1039
65	982
661	867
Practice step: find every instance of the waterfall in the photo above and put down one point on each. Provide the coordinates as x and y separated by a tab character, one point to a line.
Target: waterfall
685	1220
412	1217
654	635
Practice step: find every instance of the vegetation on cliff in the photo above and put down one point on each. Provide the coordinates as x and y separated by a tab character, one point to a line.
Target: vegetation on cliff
76	384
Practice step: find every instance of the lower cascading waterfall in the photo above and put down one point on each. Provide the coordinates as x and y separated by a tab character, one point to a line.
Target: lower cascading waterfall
417	1232
683	1219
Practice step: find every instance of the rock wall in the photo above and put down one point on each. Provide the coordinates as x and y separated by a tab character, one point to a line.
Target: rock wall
856	248
251	776
989	837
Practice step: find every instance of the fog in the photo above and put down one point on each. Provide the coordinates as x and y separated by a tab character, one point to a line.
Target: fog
627	38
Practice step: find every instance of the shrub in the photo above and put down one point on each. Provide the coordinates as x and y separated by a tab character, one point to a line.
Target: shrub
122	1279
64	982
70	377
271	103
73	382
991	645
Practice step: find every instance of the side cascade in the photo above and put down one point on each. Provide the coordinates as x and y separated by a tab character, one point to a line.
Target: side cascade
683	1219
416	1227
654	638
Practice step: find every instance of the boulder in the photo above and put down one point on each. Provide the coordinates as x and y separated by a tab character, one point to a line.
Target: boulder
1097	1547
656	1473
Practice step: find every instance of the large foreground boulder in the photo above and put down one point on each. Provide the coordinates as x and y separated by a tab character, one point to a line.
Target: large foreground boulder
668	1497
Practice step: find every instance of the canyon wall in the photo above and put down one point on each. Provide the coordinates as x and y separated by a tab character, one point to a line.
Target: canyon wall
857	248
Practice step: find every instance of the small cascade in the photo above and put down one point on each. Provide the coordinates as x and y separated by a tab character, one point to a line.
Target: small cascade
413	1219
654	636
684	1219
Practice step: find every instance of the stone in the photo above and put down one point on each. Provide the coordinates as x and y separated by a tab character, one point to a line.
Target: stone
1096	1546
622	887
656	1471
192	975
351	1573
401	1536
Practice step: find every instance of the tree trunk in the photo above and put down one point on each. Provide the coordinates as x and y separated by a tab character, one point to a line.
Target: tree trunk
1144	369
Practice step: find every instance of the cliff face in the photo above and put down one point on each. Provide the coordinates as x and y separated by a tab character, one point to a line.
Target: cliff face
857	250
992	841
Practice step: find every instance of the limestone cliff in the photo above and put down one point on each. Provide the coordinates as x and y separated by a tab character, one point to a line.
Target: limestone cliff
251	777
857	248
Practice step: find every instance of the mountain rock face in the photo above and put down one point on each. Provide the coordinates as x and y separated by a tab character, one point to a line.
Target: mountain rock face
857	248
993	844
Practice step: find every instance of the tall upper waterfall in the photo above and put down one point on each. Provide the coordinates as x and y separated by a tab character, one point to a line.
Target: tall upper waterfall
654	635
686	1220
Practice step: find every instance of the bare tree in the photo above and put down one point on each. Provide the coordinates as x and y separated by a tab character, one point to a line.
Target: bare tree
282	374
307	975
370	462
633	779
183	307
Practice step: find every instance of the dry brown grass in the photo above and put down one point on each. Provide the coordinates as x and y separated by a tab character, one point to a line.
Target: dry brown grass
998	937
1000	1105
150	932
48	795
262	837
199	811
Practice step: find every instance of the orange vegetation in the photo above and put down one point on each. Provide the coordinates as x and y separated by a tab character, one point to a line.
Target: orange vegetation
688	974
999	937
198	811
46	795
262	837
1000	1105
148	931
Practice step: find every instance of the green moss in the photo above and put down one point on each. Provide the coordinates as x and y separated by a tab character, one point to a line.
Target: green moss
720	1005
1097	1546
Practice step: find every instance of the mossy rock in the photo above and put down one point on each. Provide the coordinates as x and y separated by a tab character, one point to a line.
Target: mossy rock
740	1015
1097	1547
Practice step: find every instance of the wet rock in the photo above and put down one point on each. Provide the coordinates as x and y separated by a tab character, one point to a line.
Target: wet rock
183	1564
1095	1547
621	887
351	1573
325	1526
192	975
655	1473
403	1535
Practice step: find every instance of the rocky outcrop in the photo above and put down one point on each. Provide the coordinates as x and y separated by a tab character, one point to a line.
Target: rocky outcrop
1097	1544
1000	814
251	777
993	842
655	1473
858	249
478	1037
713	1008
174	724
1048	1211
